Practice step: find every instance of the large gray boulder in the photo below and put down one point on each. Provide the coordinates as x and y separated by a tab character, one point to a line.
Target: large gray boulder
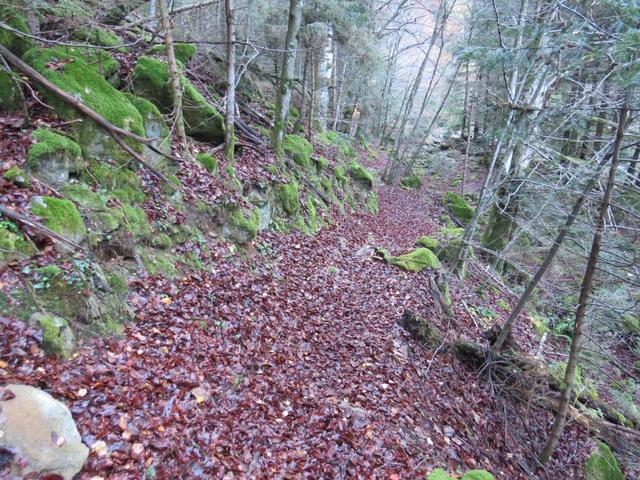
41	432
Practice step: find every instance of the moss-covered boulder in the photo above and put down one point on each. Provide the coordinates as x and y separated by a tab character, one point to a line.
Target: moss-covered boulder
362	176
439	474
54	157
415	261
202	120
82	74
57	337
458	207
208	161
184	52
288	196
10	92
298	148
15	18
412	181
155	128
98	36
60	215
428	242
241	226
101	220
420	329
13	244
17	176
602	465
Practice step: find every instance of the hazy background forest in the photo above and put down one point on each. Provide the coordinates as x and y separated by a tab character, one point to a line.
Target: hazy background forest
320	239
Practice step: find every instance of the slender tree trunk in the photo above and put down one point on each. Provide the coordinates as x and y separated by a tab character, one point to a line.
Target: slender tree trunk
174	74
337	112
303	102
465	105
312	97
585	291
231	82
284	87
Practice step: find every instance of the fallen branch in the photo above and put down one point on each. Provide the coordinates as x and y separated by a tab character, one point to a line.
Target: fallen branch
113	130
24	220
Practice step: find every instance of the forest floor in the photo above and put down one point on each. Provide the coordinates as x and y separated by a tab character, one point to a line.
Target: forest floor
286	361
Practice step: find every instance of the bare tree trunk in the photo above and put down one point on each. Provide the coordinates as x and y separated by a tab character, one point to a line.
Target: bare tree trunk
337	111
229	115
465	105
288	66
312	97
303	94
174	74
585	291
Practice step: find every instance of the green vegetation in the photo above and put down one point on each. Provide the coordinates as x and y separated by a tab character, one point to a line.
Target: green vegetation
60	215
184	52
439	474
208	161
339	174
202	121
50	143
415	261
10	94
602	465
428	242
99	36
412	181
13	244
135	219
14	42
322	163
299	149
245	228
361	175
17	176
83	195
120	182
288	196
458	206
57	337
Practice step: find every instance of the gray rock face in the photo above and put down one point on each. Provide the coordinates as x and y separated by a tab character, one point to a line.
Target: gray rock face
55	168
41	432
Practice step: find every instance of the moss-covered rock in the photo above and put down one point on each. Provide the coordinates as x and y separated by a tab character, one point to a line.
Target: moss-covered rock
288	196
477	475
450	232
321	164
15	18
66	67
57	337
13	244
136	222
458	206
438	474
119	182
155	128
184	52
361	175
10	92
241	228
99	36
412	181
208	161
602	465
202	121
428	242
298	149
84	196
17	176
415	261
60	215
54	157
339	174
161	241
421	329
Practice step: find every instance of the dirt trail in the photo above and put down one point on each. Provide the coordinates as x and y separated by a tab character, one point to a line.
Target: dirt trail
286	362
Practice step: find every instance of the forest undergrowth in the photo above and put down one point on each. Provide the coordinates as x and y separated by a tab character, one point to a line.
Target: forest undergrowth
287	361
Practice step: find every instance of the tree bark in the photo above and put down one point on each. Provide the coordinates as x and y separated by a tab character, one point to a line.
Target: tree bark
174	75
230	109
284	87
585	291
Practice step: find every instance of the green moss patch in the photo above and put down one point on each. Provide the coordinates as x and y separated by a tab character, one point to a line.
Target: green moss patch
415	261
602	465
208	161
439	474
13	244
57	338
288	196
61	216
363	176
49	143
241	228
10	93
412	181
17	176
14	42
83	195
428	242
99	36
120	182
183	51
298	149
202	121
458	206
